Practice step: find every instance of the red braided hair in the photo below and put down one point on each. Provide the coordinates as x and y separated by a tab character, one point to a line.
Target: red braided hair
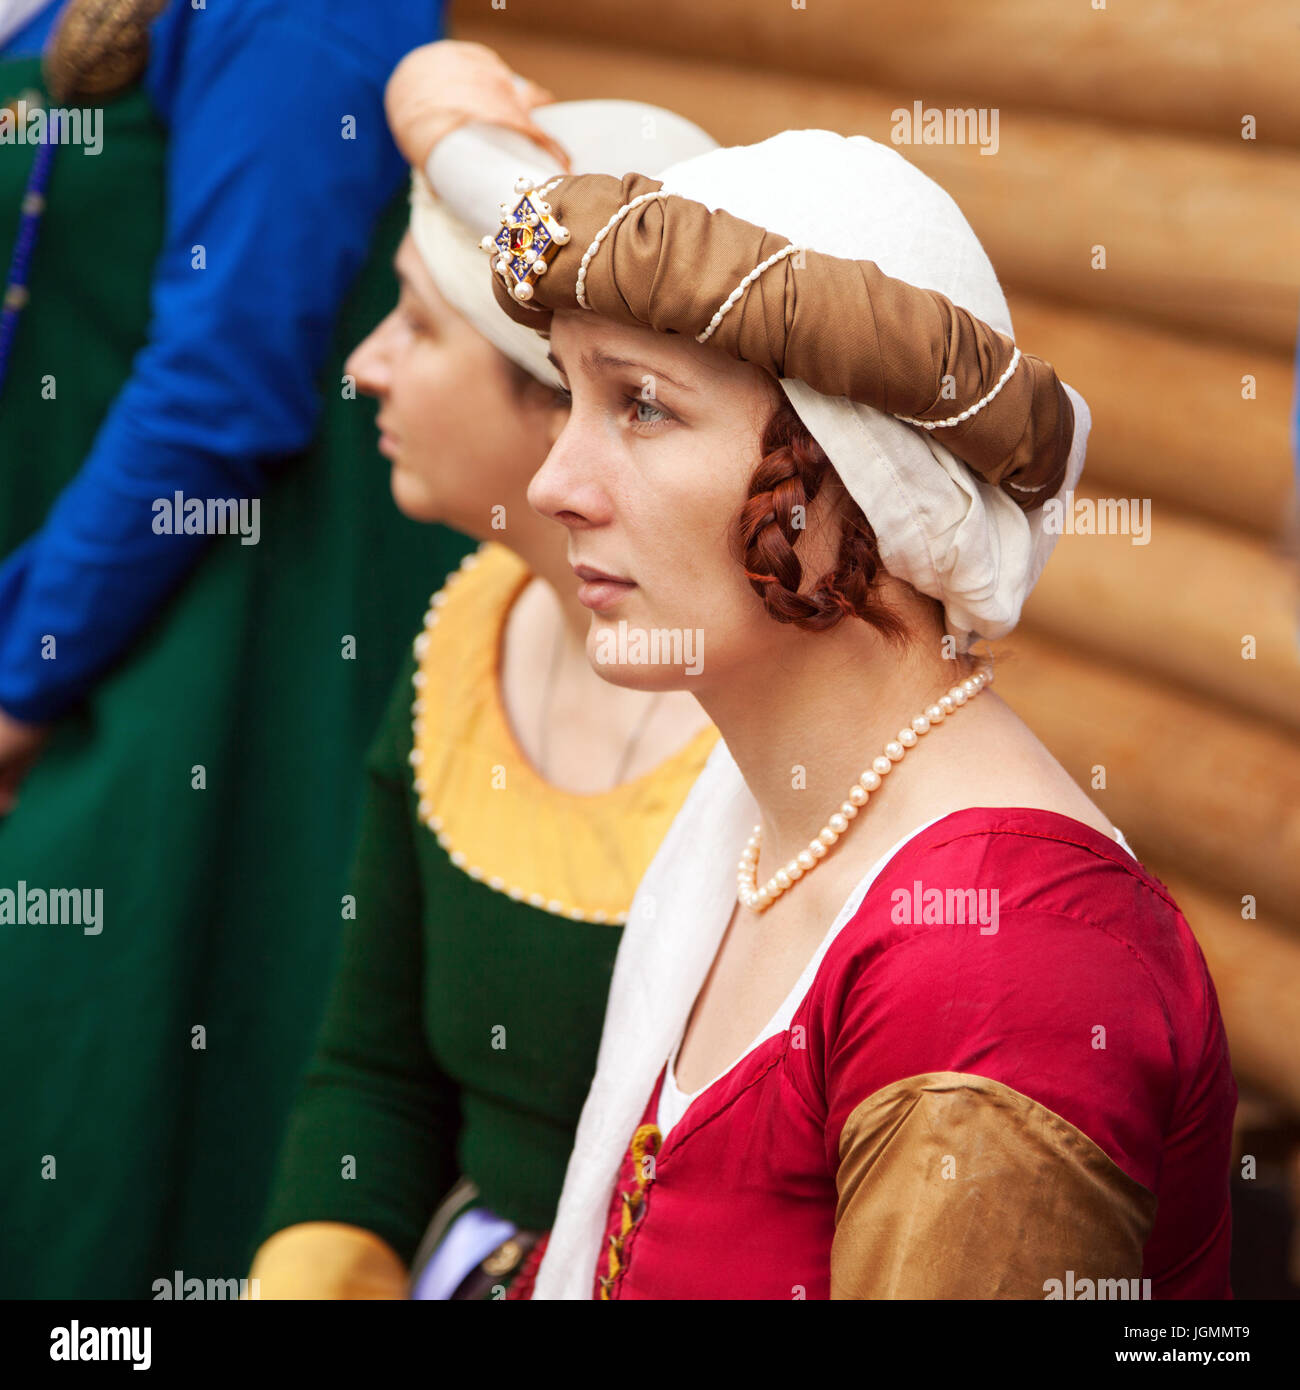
790	474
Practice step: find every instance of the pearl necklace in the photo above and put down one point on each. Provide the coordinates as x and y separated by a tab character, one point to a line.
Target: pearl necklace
760	899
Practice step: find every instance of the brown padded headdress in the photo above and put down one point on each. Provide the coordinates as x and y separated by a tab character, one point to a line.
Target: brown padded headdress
842	326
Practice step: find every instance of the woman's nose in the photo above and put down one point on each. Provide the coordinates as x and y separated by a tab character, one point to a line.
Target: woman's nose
368	362
564	487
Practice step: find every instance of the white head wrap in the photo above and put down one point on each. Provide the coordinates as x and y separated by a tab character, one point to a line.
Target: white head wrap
940	527
475	167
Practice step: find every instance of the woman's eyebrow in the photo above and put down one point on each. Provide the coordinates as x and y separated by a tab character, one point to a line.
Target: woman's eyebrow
594	361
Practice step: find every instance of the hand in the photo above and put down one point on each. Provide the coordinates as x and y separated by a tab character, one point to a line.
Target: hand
20	746
442	85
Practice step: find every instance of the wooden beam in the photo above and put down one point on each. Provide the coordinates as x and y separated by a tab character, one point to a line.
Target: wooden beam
1181	607
1169	420
1197	234
1255	966
1196	68
1191	783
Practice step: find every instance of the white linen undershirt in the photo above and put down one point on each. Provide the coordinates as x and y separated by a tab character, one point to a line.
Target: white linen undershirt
673	1103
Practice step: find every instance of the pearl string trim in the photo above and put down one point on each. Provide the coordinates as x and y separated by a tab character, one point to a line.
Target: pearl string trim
737	294
760	899
425	809
734	297
602	234
523	184
973	410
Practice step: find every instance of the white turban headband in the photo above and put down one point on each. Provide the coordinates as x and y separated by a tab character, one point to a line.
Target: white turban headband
941	528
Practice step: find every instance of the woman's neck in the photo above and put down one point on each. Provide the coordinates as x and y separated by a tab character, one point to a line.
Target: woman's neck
583	733
822	711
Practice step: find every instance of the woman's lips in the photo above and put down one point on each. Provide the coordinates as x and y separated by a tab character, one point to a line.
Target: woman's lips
599	591
602	594
387	444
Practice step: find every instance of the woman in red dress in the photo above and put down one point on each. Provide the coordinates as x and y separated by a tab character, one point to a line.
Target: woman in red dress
898	1013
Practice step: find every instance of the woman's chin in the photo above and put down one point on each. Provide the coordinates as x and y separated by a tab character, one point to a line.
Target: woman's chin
651	679
637	658
412	496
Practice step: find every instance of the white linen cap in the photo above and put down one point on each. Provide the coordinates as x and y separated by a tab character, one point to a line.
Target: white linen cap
940	527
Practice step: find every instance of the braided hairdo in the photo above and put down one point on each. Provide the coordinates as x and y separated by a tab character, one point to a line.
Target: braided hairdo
790	474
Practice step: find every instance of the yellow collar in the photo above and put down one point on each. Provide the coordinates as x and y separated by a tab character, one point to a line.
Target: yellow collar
576	856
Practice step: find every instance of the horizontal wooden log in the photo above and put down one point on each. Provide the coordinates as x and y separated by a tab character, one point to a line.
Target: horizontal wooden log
1196	234
1191	783
1182	606
1169	420
1160	63
1255	966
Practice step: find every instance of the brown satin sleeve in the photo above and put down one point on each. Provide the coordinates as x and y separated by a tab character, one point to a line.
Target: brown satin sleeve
954	1186
327	1260
843	326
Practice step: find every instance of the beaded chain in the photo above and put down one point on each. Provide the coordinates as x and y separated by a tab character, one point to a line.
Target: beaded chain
33	205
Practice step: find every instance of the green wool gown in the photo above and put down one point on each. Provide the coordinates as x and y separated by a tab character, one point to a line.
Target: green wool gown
148	1069
463	1023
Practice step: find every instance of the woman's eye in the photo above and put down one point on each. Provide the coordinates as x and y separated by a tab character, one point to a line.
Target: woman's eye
659	416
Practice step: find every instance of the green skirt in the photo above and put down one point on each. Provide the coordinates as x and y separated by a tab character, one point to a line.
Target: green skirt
149	1068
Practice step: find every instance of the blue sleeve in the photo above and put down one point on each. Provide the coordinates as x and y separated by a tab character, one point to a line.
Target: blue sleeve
261	174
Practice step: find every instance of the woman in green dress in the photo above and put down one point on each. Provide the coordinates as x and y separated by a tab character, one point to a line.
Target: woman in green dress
202	707
514	799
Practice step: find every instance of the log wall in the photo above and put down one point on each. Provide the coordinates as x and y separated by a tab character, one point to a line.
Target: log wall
1153	254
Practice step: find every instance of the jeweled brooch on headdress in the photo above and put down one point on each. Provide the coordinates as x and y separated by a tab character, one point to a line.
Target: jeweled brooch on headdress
528	238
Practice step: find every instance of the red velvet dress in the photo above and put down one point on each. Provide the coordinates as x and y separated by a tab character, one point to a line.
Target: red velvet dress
960	1108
